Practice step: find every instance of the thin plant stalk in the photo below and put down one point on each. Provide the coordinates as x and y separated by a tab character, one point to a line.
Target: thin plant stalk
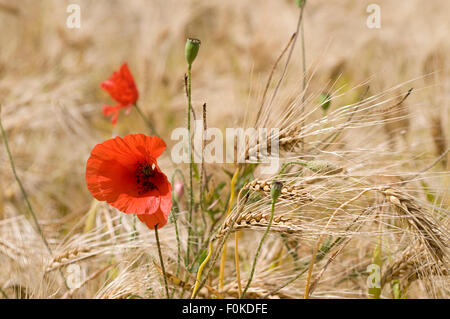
145	119
191	191
302	31
299	21
191	168
202	172
305	264
285	165
319	240
437	160
203	175
161	261
269	80
200	270
224	251
22	189
25	196
236	260
225	237
258	251
175	211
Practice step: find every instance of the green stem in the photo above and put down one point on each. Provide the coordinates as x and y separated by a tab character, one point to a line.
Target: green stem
147	122
175	211
291	251
239	207
174	219
285	165
161	261
304	79
191	193
258	251
22	189
25	195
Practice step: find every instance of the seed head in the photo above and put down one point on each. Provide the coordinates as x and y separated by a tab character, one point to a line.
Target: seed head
191	49
275	190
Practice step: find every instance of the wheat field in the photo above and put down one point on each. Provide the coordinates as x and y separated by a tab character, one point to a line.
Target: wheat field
364	184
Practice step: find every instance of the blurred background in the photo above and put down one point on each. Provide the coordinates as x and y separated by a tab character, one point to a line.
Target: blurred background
50	77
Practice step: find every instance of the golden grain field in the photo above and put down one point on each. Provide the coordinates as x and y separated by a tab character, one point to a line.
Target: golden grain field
364	184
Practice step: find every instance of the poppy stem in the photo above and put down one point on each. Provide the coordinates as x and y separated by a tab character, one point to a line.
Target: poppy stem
191	191
145	119
174	212
161	261
25	196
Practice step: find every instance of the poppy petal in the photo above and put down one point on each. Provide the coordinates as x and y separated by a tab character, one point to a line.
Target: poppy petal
121	87
165	193
159	218
111	175
147	145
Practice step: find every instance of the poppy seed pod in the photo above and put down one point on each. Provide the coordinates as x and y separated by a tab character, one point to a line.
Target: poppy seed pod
275	190
191	49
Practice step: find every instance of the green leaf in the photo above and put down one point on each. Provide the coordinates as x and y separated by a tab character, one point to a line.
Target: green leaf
325	101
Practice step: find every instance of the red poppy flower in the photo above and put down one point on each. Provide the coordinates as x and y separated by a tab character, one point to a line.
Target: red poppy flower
122	89
124	173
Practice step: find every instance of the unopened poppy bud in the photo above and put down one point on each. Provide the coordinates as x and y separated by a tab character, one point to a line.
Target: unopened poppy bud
325	101
275	190
191	49
178	189
300	3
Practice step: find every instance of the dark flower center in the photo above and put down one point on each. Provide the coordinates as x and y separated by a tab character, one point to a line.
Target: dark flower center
144	174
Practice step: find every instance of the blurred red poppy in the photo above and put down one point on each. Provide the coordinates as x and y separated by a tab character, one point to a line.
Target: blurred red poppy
122	89
124	173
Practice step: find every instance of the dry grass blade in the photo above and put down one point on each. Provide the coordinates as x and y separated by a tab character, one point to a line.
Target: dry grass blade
428	231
